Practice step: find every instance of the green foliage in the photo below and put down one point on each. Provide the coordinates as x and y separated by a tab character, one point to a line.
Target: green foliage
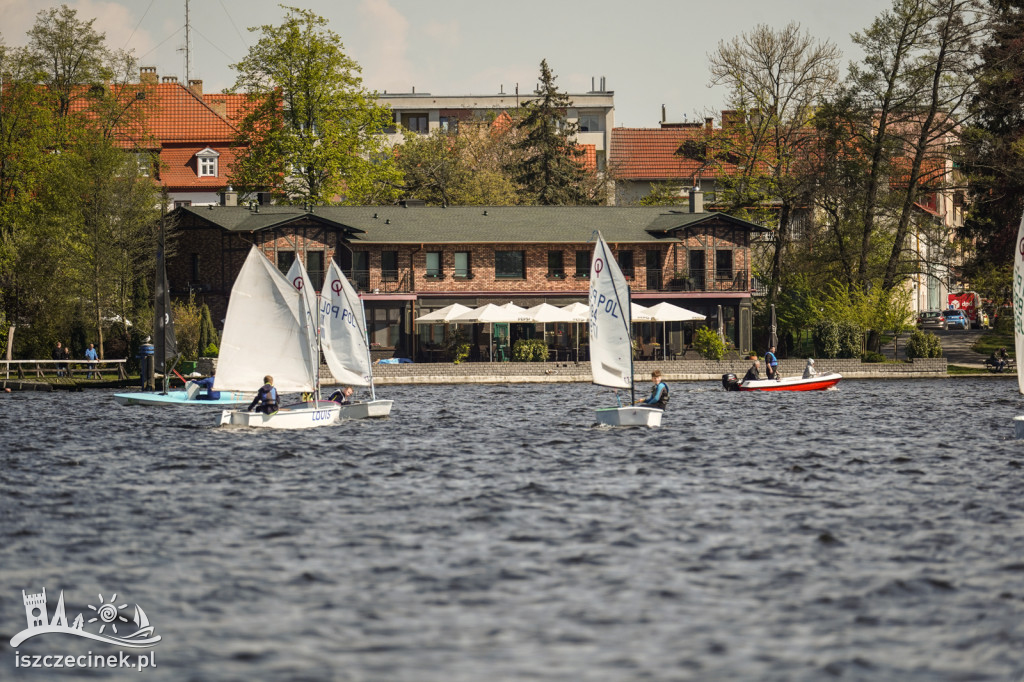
923	345
310	132
549	167
851	339
709	344
186	327
872	356
529	350
457	345
1004	323
211	351
826	339
664	194
207	332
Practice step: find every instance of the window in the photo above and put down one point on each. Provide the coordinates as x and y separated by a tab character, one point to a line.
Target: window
462	265
417	123
145	163
315	269
183	202
556	265
723	264
389	266
625	259
206	163
361	269
434	265
449	124
285	259
384	326
583	264
510	264
591	123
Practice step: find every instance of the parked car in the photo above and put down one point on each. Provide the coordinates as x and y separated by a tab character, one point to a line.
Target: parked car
930	319
956	319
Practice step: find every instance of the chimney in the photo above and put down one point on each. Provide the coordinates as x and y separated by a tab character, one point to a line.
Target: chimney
602	85
170	79
696	200
707	123
229	197
196	86
662	113
147	74
219	107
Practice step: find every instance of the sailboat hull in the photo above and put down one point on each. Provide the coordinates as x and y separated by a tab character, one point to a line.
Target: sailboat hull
629	416
324	414
227	398
370	409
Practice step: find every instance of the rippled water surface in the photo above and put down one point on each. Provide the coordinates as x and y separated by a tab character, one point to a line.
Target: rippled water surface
492	533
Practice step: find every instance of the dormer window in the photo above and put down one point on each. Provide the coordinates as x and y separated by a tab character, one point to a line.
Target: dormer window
206	163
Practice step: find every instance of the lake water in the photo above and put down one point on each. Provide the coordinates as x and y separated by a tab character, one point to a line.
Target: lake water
493	533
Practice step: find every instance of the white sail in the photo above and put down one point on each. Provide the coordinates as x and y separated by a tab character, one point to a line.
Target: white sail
265	332
1018	302
299	278
611	348
343	329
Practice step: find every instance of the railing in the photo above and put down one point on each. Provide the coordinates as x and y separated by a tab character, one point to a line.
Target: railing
697	280
381	281
63	367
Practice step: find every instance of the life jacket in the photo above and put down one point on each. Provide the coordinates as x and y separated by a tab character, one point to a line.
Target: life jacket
663	400
269	395
771	360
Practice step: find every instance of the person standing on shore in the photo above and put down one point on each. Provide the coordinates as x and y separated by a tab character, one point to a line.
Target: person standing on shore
58	354
92	356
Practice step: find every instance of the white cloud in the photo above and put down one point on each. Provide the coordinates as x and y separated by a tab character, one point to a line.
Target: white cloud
387	65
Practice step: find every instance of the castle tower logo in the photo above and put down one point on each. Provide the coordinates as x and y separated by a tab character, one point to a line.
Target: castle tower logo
101	623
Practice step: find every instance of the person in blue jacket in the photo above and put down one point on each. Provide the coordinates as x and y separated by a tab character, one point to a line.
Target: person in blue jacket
207	392
659	393
266	397
771	364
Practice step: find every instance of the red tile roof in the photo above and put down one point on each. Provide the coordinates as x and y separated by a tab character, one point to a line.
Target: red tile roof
589	156
650	154
178	168
176	114
234	104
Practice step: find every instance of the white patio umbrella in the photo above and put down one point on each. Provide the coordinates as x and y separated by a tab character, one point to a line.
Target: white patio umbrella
544	313
640	313
578	313
489	314
667	312
446	314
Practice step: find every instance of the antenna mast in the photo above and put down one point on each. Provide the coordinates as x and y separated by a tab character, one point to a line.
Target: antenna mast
188	47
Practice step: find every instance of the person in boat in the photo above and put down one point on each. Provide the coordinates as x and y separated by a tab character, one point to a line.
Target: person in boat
206	389
266	397
754	373
342	396
809	370
659	393
771	364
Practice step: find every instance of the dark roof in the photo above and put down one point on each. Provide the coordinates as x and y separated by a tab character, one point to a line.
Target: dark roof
475	224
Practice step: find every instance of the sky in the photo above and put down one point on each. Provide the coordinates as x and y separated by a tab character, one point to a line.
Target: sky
651	53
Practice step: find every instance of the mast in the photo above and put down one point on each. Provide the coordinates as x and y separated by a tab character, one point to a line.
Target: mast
366	343
188	47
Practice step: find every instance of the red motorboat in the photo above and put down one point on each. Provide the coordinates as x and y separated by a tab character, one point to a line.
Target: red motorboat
816	383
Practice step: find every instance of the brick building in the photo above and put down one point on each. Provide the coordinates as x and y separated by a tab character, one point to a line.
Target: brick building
408	261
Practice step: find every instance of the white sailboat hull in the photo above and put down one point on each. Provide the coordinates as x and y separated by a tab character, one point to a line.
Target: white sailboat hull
629	416
369	409
324	414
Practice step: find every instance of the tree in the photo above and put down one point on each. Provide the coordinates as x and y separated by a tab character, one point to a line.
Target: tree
994	141
310	132
460	168
775	79
663	194
549	169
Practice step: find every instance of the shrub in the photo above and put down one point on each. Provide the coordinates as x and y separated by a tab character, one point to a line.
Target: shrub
709	344
851	339
210	351
1004	323
923	345
826	339
529	350
872	356
457	346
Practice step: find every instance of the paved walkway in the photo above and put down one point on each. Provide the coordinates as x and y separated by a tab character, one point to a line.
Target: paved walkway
956	347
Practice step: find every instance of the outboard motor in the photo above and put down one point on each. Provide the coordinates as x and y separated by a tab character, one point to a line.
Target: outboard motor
730	383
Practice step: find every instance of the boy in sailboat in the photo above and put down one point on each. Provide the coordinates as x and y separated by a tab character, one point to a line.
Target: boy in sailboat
266	397
659	393
342	396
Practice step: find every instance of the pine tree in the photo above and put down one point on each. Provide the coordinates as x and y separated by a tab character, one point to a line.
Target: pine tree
549	167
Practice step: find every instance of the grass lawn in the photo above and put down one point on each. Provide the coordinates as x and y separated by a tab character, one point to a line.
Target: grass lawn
992	341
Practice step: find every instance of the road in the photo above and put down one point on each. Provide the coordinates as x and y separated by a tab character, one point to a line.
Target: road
956	347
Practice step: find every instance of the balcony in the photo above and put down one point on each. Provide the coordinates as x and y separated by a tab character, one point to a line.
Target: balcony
698	280
381	281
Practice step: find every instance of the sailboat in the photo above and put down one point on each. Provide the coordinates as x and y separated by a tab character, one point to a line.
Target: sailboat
166	348
345	343
271	330
611	345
